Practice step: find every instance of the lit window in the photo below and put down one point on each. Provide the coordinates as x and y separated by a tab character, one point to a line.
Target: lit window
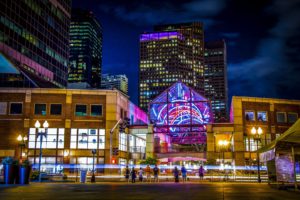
262	116
249	116
87	139
54	139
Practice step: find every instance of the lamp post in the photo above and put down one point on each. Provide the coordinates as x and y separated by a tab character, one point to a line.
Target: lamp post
256	133
93	179
22	143
41	134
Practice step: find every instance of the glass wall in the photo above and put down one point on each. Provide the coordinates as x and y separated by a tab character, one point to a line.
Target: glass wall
53	140
87	138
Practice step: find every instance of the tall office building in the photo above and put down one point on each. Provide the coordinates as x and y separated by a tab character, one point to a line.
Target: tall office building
85	49
215	74
172	52
119	82
34	43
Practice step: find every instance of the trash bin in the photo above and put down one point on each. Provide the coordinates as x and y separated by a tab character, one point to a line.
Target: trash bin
83	176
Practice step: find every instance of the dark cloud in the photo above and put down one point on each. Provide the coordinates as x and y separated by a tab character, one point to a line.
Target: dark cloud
274	71
154	12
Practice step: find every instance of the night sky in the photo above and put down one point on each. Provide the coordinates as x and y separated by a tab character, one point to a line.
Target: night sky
263	39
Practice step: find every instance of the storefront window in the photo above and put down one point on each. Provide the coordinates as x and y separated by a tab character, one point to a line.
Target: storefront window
122	141
53	140
87	138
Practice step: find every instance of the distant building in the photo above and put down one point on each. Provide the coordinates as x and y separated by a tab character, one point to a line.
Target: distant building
34	43
215	78
85	48
119	82
172	52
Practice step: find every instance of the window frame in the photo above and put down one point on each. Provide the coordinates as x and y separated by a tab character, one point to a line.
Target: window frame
60	110
254	115
96	105
86	106
267	118
285	116
292	113
40	104
15	103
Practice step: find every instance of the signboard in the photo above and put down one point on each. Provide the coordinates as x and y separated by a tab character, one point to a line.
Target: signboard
284	168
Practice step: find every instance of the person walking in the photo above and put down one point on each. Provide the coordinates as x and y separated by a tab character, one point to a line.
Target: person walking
201	172
127	173
133	175
140	172
148	173
155	173
183	173
176	174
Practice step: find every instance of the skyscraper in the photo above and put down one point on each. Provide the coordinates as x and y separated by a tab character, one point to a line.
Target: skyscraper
215	74
85	48
34	39
119	82
172	52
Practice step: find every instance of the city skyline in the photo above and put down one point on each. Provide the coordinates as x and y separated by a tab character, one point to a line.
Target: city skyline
264	49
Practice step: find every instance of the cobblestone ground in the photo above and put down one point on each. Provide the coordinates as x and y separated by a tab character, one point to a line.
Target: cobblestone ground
182	191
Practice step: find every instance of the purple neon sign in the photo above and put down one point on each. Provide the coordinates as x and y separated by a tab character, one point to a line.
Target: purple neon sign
160	36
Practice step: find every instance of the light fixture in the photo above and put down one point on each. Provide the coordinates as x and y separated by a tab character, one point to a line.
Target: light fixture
259	131
253	130
19	138
37	124
45	124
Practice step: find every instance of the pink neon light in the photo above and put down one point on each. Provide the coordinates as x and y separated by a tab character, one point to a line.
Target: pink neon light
25	60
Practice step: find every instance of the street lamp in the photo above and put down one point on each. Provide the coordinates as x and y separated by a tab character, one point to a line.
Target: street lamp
41	134
257	133
22	143
93	179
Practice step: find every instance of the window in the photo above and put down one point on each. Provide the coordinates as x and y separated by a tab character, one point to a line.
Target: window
87	138
3	108
40	109
262	116
122	141
54	139
16	108
96	110
249	115
281	117
80	110
55	109
292	117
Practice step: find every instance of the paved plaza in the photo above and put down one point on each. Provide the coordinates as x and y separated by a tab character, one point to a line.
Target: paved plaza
182	191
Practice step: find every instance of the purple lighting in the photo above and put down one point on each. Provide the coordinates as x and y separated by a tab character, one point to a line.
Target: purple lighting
160	36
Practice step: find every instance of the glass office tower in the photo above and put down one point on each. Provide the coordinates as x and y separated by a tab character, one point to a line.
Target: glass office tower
34	37
85	49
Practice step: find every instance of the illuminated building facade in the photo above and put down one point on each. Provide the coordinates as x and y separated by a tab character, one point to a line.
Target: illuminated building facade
119	82
34	37
215	79
179	116
79	121
170	53
85	49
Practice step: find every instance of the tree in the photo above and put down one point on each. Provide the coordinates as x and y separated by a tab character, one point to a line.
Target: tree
149	161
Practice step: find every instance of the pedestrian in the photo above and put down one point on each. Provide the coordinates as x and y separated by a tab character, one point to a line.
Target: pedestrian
133	175
155	173
201	172
127	173
140	172
183	173
148	173
176	174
